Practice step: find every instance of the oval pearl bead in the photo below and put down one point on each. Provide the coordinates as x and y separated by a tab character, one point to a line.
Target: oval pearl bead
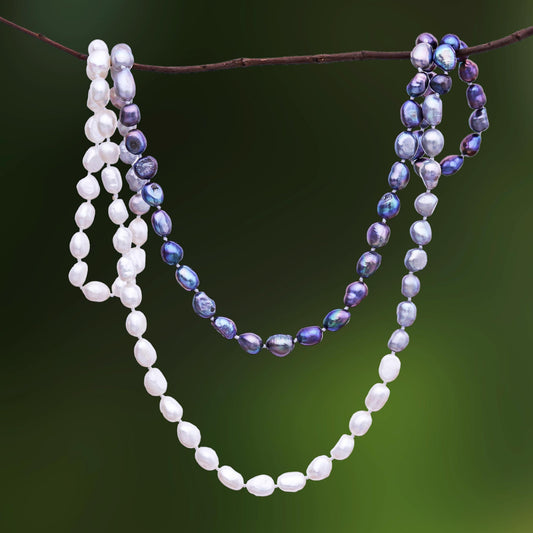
84	216
131	296
109	152
377	397
410	114
136	324
230	478
336	319
475	96
135	183
112	180
261	485
207	458
291	481
420	232
106	122
146	167
343	448
136	142
122	240
250	343
78	273
388	206
139	231
355	293
427	37
152	194
170	409
161	223
187	278
280	345
433	142
310	335
171	253
368	263
203	306
451	164
441	84
444	56
479	120
124	85
97	44
91	131
144	353
117	286
117	211
471	144
225	326
468	71
378	235
88	187
389	368
398	176
405	145
121	57
130	115
406	314
79	245
422	55
426	203
398	341
138	258
430	172
432	109
360	423
415	260
319	468
410	285
418	85
117	102
188	434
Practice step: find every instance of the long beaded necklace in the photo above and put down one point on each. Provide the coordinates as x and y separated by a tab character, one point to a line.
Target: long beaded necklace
419	144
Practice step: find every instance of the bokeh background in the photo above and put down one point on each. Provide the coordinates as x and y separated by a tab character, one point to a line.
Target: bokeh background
272	176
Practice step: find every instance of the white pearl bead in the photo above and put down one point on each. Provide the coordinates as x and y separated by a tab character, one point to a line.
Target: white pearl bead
389	368
109	152
122	240
79	245
360	423
117	211
107	122
139	231
261	485
207	458
377	397
91	131
117	286
155	382
138	205
188	434
343	448
96	291
131	296
91	74
99	62
125	269
138	257
144	352
170	409
230	478
319	468
92	162
88	187
94	106
99	91
78	273
112	180
136	324
84	216
97	44
291	481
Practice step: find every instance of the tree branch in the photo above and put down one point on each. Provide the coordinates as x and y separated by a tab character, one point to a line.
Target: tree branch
244	62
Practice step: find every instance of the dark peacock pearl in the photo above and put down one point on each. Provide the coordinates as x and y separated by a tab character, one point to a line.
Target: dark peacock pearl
451	164
441	83
452	40
468	71
470	144
378	235
225	326
146	167
399	176
203	306
280	345
152	194
475	96
161	223
368	264
444	56
130	115
187	278
410	114
427	38
171	253
388	206
418	85
355	293
336	319
250	343
479	120
309	336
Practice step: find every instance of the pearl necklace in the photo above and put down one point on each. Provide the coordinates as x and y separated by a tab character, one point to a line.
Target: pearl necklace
128	241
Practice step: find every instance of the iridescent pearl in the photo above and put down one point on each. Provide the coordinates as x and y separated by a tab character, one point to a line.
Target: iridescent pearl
130	115
405	145
134	182
471	144
136	142
368	264
422	56
125	156
425	204
117	102
203	305
355	293
410	285
479	120
451	164
124	85
310	335
336	319
452	40
441	83
389	368
444	56
388	206
421	232
432	142
427	38
406	314
418	164
378	235
410	114
432	109
468	71
187	278
161	223
137	205
146	167
171	253
250	343
415	260
121	57
280	345
418	85
399	176
398	341
430	172
225	326
475	96
152	194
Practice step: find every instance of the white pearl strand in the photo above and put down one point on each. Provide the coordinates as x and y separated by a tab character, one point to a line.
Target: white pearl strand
155	382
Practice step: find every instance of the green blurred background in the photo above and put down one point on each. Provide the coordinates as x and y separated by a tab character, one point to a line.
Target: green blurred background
272	176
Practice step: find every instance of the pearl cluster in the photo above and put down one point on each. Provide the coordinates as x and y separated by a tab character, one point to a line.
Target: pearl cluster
132	260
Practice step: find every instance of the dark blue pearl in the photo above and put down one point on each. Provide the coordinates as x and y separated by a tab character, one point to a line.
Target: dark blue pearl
471	144
388	206
280	345
336	319
411	114
187	278
368	264
441	83
378	235
203	306
130	115
161	223
136	142
398	176
355	293
250	342
452	40
146	167
468	71
427	38
445	57
152	194
310	335
451	164
418	85
475	96
171	253
479	120
225	326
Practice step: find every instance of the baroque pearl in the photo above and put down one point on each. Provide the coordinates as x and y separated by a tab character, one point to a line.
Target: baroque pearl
280	345
451	164
427	37
441	83
78	273
422	55
79	245
261	485
250	343
139	231
378	235
444	56
309	336
475	96
117	211
319	468
230	478
406	145
377	397
144	353
124	85
136	142
398	340
112	180
452	40
170	409
418	85
389	368
187	278
84	216
171	253
291	481
121	57
410	285
388	206
336	319
146	167
432	142
136	324
130	115
161	223
479	120
398	176
137	205
406	314
368	263
207	458
426	203
415	260
203	306
355	293
432	109
155	382
471	144
430	172
468	71
188	434
360	423
421	232
152	194
343	448
411	114
225	326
